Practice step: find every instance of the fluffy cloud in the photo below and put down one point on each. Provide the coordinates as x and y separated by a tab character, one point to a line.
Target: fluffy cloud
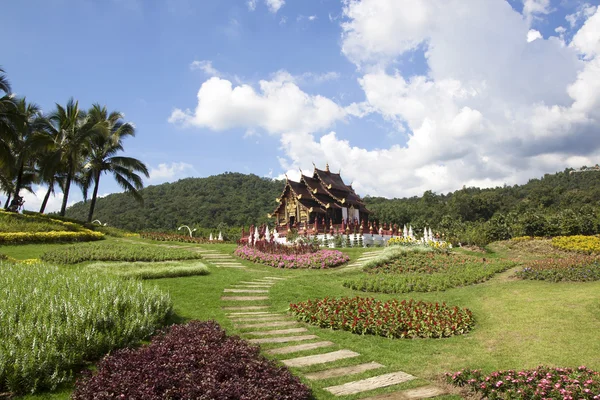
33	201
491	108
274	5
280	106
169	172
205	66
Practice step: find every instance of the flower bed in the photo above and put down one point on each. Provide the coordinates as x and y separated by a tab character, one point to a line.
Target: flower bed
575	268
318	260
404	270
393	319
536	384
193	361
54	320
407	241
580	243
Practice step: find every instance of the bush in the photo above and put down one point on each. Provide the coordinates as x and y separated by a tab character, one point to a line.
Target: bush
393	319
319	260
54	320
49	237
577	268
580	243
402	270
536	384
193	361
151	270
171	237
115	252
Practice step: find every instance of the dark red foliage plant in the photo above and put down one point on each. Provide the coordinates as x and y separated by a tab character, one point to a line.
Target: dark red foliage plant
192	361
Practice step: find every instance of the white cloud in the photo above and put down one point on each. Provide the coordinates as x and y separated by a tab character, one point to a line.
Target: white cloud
170	172
491	108
251	5
274	5
584	11
280	106
205	66
312	17
532	35
33	201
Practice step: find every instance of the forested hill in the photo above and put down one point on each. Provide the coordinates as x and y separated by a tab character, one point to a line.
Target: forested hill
556	203
231	198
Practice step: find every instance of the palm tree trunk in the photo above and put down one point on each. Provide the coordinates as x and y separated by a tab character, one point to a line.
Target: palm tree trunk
47	196
19	179
9	194
93	202
63	208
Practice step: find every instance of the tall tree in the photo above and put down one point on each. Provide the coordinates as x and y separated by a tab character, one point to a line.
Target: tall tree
72	134
108	141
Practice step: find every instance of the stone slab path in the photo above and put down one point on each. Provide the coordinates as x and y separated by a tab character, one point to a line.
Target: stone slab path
282	334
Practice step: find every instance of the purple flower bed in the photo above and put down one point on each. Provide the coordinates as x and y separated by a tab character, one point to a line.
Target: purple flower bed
536	384
193	361
318	260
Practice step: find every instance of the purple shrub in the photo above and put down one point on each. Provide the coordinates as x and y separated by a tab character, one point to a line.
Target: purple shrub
318	260
192	361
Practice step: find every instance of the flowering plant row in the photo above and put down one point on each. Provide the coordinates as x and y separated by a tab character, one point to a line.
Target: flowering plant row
408	241
85	235
580	243
582	268
171	237
425	271
320	259
277	248
393	319
535	384
193	361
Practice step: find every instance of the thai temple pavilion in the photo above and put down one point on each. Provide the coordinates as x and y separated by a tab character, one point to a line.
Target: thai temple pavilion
320	199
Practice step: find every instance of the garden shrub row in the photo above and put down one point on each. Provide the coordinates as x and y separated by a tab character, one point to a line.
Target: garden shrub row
171	237
580	268
318	260
116	252
49	237
579	243
53	320
424	271
151	270
193	361
535	384
394	319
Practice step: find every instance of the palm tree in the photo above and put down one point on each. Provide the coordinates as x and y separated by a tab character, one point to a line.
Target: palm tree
111	131
8	119
72	134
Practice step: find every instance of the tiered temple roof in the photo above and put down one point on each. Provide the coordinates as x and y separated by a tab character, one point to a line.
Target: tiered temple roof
322	195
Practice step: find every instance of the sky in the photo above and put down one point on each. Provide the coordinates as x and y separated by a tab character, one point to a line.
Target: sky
401	96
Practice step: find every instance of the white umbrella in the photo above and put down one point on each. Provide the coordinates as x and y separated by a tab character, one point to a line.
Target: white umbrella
267	234
430	234
410	232
220	236
210	237
405	231
256	235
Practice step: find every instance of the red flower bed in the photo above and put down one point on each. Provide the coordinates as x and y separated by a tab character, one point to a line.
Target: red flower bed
193	361
535	384
394	319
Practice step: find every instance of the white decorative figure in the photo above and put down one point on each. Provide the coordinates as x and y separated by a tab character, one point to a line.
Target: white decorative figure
210	237
256	235
267	234
425	237
405	231
430	235
220	236
410	232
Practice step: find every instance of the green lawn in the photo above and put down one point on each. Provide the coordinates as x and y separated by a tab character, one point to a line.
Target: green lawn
520	324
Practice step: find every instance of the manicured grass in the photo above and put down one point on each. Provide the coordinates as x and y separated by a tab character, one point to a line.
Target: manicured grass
519	324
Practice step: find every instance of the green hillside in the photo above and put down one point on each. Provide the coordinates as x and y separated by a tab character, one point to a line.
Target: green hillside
231	198
560	203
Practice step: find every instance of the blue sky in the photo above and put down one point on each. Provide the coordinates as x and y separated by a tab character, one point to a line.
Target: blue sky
401	95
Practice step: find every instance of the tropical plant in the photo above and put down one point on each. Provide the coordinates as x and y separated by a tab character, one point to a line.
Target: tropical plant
108	141
71	135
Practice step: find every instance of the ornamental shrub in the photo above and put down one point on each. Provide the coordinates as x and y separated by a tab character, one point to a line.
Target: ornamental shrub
580	268
393	319
192	361
116	252
535	384
54	320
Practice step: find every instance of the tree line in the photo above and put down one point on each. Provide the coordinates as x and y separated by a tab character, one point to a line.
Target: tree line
556	204
68	146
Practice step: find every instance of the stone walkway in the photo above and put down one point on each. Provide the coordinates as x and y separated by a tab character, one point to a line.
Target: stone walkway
285	336
220	260
362	260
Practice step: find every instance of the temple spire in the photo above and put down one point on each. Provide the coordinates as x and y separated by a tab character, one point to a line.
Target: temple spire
327	167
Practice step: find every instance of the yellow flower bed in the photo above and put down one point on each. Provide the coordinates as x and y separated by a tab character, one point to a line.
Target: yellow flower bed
580	243
84	235
406	241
